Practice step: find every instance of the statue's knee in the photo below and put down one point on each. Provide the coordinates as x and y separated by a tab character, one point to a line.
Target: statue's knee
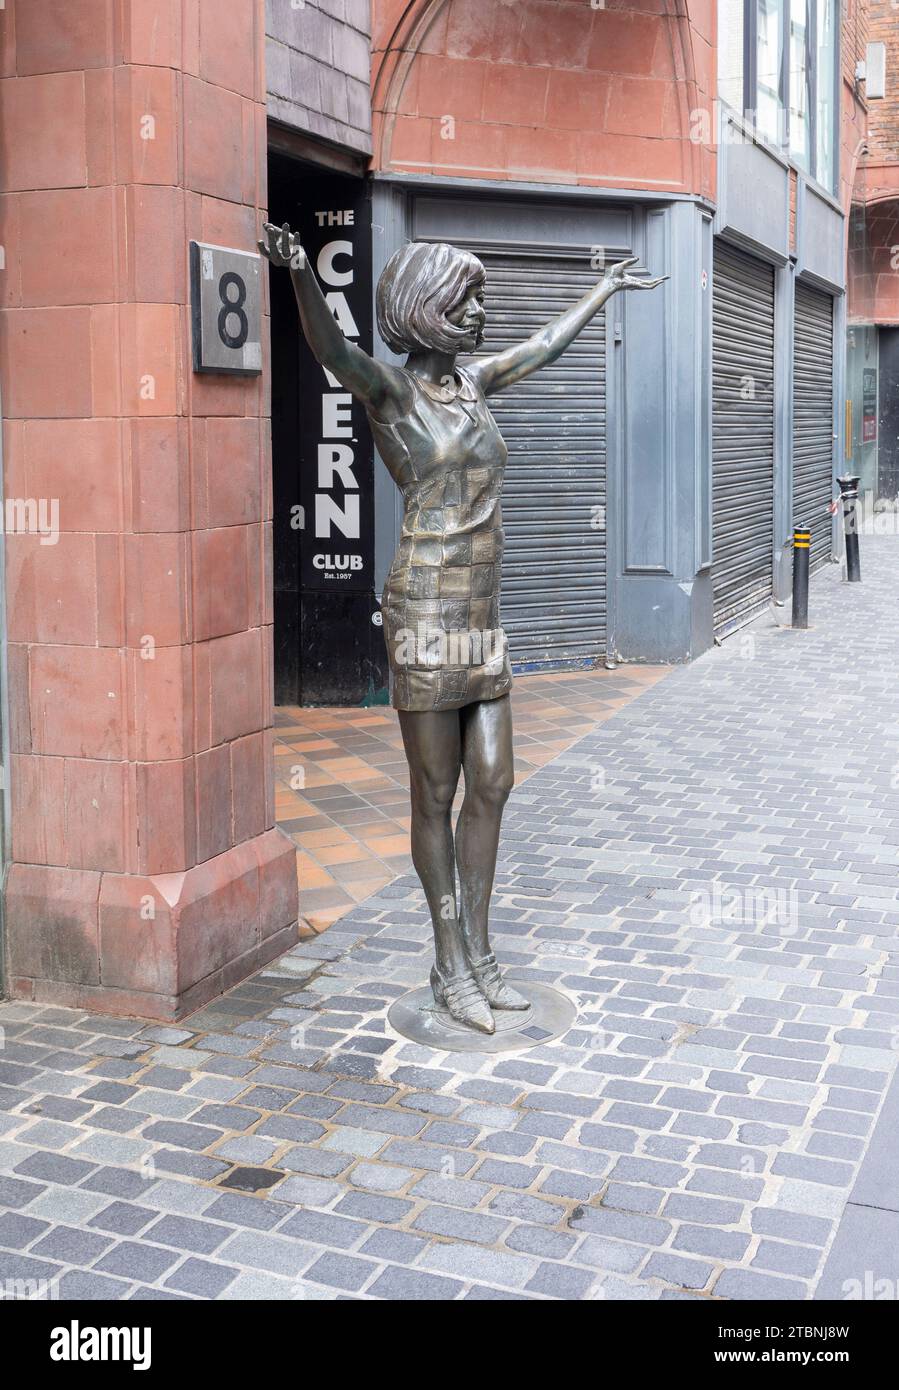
493	785
433	796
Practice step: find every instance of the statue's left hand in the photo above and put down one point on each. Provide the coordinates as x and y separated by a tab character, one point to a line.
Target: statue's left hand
618	279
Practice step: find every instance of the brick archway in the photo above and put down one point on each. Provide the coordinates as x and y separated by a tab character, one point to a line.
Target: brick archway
546	92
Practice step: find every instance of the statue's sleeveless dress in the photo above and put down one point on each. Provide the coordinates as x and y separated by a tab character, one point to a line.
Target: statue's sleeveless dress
440	603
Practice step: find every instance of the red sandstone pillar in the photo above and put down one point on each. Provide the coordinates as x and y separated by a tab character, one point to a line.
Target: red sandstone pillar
146	874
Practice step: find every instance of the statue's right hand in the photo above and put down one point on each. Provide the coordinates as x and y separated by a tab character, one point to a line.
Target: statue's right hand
282	246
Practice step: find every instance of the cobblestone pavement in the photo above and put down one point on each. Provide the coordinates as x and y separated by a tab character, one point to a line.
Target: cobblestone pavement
711	874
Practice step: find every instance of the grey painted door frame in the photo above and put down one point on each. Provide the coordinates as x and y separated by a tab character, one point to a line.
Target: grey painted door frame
657	384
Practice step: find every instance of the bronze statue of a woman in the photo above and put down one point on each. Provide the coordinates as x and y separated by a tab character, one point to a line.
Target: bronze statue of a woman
447	651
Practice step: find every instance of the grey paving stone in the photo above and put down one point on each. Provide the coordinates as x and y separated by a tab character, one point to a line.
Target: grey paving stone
622	1197
675	1269
16	1269
361	1143
630	1169
78	1284
645	1230
234	1210
527	1208
123	1218
561	1184
120	1182
144	1293
788	1225
323	1228
484	1266
705	1240
70	1245
316	1162
120	1121
184	1197
394	1247
132	1259
341	1271
746	1284
461	1225
369	1207
813	1169
786	1259
18	1231
239	1117
412	1153
493	1171
163	1078
185	1233
537	1240
684	1207
55	1168
248	1149
454	1192
305	1192
381	1177
201	1277
181	1135
293	1127
67	1205
261	1250
257	1286
561	1281
399	1284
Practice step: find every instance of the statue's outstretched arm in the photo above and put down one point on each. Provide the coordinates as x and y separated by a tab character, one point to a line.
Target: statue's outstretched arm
376	384
505	368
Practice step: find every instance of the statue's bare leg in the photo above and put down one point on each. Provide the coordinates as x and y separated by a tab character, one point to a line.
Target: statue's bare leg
433	744
488	764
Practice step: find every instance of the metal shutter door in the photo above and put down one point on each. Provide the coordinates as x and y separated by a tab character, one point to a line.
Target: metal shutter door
742	437
813	418
554	423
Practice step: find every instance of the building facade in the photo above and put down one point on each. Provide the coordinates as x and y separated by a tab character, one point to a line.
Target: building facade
221	537
872	385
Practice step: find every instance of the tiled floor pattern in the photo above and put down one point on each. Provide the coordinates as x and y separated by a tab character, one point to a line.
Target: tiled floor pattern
342	784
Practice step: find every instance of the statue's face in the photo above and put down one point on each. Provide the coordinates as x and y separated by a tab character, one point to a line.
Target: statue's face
470	314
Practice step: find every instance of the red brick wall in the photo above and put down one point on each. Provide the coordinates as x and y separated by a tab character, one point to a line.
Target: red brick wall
139	644
883	113
546	90
853	130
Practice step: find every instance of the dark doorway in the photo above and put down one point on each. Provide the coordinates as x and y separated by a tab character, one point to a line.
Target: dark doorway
328	646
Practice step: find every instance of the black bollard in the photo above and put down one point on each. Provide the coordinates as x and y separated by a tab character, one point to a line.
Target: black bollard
801	542
849	496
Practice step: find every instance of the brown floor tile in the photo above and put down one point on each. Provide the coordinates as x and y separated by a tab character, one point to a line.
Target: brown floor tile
350	820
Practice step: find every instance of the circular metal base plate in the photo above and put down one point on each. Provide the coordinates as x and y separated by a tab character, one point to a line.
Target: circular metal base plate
416	1016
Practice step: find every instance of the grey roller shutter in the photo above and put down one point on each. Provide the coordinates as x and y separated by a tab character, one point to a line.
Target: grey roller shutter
554	497
813	485
742	437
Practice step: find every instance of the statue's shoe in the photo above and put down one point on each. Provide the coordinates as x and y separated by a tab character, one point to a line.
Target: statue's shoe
463	1000
494	988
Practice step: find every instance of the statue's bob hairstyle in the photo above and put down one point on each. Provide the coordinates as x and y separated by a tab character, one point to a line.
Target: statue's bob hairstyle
420	285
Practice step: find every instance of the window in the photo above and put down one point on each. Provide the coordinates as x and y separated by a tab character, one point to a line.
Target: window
826	109
768	46
777	63
730	52
800	76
